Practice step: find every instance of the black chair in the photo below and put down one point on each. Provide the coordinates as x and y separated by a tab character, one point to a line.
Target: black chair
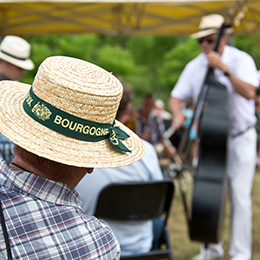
139	201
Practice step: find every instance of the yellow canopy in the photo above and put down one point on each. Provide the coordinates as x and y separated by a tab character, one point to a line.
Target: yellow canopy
116	17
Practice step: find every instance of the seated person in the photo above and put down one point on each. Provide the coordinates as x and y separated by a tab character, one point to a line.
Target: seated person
151	128
6	146
48	121
133	237
14	62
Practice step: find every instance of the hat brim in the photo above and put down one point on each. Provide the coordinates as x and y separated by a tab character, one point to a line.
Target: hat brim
24	64
203	33
208	32
21	129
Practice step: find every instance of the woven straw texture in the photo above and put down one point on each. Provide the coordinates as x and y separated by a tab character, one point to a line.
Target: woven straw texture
76	87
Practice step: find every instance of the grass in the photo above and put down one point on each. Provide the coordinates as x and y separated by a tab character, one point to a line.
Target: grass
184	248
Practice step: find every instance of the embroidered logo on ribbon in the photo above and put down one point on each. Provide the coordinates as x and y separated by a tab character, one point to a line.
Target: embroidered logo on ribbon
70	125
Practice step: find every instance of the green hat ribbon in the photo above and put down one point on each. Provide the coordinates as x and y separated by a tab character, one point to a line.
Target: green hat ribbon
70	125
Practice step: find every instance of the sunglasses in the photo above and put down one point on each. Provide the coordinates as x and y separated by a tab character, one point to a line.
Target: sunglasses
208	40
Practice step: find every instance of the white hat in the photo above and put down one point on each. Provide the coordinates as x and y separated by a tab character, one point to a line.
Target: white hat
16	51
210	24
68	115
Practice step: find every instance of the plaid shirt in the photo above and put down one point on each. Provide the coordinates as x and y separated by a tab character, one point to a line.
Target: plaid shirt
154	125
45	220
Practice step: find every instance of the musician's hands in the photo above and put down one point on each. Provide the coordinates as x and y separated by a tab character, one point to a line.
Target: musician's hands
214	61
178	120
169	151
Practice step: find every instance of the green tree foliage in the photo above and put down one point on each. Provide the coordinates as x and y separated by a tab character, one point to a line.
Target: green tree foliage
117	60
175	61
251	45
149	51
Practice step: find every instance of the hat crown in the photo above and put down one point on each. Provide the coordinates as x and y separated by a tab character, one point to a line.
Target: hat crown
212	21
210	24
68	115
79	88
15	47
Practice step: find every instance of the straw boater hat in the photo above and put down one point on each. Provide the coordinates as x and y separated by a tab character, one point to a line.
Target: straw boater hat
67	115
16	51
210	24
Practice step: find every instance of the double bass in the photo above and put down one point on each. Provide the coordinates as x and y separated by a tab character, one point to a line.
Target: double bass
205	220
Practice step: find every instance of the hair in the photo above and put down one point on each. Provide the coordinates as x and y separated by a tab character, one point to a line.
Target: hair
4	76
39	163
147	98
29	157
150	95
126	99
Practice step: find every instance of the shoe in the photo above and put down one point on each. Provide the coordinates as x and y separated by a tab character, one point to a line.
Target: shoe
205	256
208	254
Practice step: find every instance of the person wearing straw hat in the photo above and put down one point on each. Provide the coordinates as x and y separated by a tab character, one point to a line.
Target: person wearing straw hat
134	238
15	57
150	127
14	61
237	71
63	126
6	146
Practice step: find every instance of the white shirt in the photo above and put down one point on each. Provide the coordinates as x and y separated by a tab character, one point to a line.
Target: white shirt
242	111
133	237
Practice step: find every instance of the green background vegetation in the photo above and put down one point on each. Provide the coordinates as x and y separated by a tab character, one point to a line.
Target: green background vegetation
151	64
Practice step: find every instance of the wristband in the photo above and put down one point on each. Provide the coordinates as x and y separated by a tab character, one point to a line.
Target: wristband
228	72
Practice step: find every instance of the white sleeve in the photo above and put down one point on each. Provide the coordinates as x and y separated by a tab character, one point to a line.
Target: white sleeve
246	69
183	88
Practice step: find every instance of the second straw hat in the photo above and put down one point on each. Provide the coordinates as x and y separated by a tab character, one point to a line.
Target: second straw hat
68	115
16	51
210	24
